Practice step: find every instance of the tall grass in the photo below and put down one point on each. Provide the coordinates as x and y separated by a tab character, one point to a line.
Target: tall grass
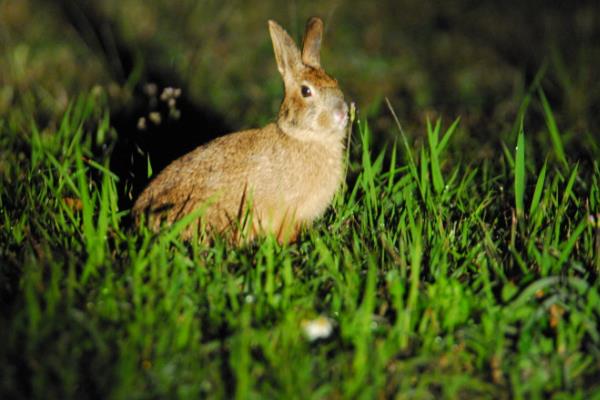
440	277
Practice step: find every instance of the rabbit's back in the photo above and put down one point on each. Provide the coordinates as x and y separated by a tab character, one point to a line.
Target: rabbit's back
278	179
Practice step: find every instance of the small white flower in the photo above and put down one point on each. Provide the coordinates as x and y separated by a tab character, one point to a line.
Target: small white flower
318	328
141	125
166	94
154	117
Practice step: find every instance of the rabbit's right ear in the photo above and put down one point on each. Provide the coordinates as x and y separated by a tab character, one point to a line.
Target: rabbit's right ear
311	46
287	54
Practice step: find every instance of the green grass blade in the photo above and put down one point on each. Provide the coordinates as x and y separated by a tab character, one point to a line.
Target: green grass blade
408	152
508	156
444	142
568	193
570	244
537	194
392	170
520	179
149	171
436	173
553	129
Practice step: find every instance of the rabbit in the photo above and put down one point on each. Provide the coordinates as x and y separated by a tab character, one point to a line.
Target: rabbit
274	180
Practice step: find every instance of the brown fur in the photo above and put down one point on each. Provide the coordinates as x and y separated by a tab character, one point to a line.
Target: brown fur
271	180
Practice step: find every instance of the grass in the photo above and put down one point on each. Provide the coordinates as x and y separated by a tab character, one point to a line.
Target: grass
441	276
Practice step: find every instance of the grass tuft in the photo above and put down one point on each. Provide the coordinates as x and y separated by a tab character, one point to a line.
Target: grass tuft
435	279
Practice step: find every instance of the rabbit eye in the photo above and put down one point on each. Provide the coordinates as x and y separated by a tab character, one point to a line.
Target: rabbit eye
306	92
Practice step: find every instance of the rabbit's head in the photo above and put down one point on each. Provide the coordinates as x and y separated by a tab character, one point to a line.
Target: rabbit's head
313	107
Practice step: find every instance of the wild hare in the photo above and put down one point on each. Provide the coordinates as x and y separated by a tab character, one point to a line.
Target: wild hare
272	180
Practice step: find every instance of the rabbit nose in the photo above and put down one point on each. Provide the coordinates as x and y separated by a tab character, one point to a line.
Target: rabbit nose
341	114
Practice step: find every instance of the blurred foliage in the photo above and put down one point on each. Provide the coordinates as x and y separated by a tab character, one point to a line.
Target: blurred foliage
43	63
474	59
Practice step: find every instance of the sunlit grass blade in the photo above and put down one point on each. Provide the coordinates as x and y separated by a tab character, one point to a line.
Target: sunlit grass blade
149	171
519	173
368	174
568	192
392	169
424	178
87	209
568	247
537	194
449	132
436	173
408	152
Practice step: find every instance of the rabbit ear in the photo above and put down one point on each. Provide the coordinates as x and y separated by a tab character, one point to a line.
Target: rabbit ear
312	42
287	54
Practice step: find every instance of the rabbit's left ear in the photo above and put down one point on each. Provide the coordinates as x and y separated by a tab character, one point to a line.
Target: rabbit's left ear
311	46
287	54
